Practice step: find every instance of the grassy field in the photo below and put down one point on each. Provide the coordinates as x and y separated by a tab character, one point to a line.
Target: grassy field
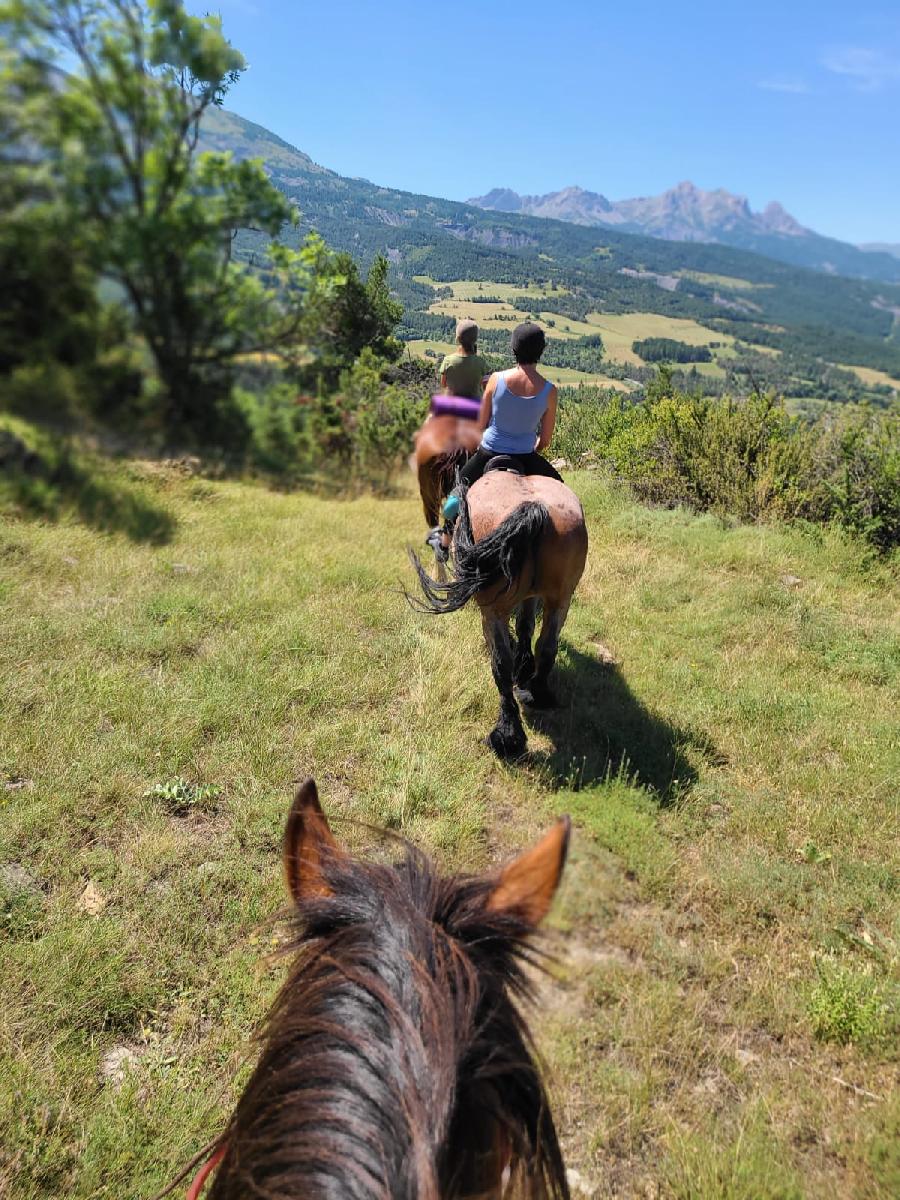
871	376
465	289
722	1021
728	282
619	331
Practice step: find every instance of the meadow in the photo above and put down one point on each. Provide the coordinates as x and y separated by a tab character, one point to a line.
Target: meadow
721	1020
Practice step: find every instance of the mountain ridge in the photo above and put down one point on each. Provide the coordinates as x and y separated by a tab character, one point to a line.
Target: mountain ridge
686	213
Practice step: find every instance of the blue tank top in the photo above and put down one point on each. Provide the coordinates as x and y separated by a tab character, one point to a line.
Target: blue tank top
515	420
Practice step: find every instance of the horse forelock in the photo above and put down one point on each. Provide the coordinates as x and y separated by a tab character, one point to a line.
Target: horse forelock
394	1060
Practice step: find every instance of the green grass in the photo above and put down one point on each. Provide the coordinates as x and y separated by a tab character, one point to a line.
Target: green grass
728	701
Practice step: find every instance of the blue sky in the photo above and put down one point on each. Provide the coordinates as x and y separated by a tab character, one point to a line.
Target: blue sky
793	101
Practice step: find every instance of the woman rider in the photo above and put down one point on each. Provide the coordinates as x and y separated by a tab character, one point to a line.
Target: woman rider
518	411
518	415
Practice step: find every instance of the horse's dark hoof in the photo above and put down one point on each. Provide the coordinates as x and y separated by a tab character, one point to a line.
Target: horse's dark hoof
505	746
537	695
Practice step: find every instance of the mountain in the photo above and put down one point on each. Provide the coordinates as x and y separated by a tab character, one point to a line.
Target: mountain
570	269
689	214
883	247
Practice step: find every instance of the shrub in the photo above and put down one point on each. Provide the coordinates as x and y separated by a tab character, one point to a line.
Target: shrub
749	458
379	418
280	442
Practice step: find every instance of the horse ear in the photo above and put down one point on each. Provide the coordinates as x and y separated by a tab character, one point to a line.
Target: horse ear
308	843
528	884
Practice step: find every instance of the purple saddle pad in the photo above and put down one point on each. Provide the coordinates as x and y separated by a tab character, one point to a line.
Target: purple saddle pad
455	406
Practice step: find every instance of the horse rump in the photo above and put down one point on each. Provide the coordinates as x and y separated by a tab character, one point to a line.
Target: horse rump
500	555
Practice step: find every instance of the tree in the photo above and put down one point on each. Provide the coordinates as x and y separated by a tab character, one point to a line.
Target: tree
118	140
345	320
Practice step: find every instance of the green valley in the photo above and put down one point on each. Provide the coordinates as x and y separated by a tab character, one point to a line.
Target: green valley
448	259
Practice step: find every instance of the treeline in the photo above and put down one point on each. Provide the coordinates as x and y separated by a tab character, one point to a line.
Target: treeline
749	458
122	303
661	349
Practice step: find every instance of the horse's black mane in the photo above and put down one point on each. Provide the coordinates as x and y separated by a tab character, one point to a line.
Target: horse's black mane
394	1061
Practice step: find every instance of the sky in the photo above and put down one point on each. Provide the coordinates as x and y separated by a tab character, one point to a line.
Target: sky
792	101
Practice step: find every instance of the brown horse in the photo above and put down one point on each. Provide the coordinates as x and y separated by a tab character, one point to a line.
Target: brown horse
519	541
442	446
396	1063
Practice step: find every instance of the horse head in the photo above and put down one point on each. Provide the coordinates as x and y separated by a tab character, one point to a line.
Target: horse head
396	1062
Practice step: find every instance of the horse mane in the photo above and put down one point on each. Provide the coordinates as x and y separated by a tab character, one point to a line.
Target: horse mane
395	1058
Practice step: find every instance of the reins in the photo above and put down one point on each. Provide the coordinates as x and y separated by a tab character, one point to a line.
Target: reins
205	1171
208	1158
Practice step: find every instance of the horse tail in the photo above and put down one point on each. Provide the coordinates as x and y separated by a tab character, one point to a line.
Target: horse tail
500	555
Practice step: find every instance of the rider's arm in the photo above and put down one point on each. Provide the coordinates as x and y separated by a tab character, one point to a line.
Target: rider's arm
548	421
487	404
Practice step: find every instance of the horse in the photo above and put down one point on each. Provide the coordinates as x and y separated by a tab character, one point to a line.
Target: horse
396	1063
442	445
519	542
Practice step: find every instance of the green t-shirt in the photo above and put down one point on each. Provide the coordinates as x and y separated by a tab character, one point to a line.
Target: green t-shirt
464	374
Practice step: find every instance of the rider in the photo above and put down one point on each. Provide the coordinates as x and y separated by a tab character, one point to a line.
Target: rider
518	415
518	411
462	372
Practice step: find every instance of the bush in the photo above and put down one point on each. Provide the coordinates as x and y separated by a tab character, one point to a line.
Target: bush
279	442
379	418
749	458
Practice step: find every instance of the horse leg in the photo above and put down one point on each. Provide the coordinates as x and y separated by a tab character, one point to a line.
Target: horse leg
507	738
540	693
523	667
429	491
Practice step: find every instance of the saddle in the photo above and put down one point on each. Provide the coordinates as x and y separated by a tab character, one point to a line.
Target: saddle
505	462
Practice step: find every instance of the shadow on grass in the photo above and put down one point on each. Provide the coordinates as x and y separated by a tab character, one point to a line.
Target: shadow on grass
49	488
600	730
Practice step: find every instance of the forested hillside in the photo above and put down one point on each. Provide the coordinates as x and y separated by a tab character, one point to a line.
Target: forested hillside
582	270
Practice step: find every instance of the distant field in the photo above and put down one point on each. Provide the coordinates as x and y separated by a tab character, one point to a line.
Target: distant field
620	330
490	316
465	289
564	376
870	376
724	281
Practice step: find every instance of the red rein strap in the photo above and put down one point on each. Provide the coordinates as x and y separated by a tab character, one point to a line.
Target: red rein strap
205	1171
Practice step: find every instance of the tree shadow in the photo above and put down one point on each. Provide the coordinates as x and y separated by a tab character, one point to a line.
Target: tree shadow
48	488
600	730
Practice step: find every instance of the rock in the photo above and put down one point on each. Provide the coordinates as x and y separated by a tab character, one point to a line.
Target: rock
116	1063
603	653
92	900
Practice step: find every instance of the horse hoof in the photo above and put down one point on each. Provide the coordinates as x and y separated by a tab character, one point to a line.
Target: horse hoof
509	748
